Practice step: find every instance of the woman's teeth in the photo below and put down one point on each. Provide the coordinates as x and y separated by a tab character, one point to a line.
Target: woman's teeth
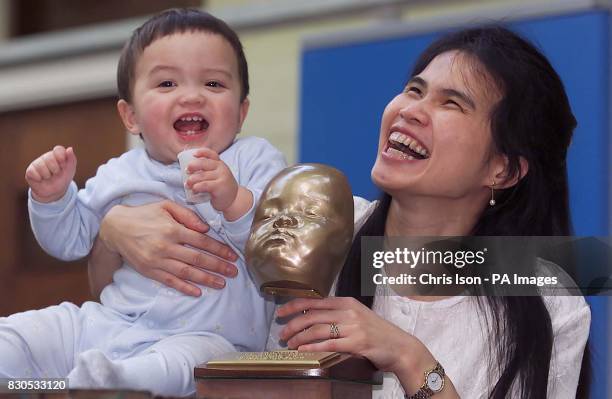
399	154
404	140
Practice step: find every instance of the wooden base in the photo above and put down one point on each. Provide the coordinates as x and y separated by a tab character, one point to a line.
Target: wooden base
281	389
344	377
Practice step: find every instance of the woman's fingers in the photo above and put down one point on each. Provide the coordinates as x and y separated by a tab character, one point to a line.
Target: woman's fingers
324	334
163	241
299	305
193	235
196	239
196	267
210	245
330	345
185	216
313	317
172	281
315	333
176	268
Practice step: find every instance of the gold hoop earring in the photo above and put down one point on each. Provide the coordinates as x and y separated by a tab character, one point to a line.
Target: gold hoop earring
492	201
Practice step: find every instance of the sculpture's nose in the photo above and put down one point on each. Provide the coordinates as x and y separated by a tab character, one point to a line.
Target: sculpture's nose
285	221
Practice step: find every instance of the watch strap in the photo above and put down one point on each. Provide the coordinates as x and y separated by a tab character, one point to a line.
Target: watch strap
425	392
420	394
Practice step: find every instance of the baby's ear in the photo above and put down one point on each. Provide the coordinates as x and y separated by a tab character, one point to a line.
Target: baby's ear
244	110
503	179
128	116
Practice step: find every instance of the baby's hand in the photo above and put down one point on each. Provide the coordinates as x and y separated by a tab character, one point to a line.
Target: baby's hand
209	174
50	174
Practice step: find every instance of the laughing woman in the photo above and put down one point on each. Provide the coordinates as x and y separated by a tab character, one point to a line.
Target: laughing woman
482	112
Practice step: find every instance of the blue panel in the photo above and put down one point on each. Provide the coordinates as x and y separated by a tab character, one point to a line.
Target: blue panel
346	87
600	342
584	71
344	92
577	46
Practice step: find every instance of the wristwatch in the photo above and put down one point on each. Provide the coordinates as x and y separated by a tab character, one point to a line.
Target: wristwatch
434	383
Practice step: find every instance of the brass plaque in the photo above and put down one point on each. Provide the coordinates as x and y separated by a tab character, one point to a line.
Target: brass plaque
272	359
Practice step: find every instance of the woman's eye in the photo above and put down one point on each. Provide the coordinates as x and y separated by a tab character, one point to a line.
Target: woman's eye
413	89
453	104
167	83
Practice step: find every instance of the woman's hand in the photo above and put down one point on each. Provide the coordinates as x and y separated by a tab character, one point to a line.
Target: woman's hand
361	332
152	239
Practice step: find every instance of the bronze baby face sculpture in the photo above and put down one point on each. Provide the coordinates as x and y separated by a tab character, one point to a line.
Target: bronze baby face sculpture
302	230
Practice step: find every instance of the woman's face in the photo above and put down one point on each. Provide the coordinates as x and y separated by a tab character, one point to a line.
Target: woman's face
435	136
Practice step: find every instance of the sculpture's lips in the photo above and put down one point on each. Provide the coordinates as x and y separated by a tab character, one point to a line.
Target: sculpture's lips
277	237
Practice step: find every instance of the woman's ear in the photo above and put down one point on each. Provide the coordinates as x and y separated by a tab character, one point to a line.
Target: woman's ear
501	173
128	116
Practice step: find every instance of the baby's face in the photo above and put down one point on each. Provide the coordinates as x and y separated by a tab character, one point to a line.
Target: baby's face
186	94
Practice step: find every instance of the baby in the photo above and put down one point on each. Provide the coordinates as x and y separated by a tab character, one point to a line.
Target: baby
183	82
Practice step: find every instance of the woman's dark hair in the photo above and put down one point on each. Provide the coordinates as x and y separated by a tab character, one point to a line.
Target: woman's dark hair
533	120
169	22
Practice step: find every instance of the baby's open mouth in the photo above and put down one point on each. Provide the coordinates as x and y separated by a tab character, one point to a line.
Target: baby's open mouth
191	125
406	147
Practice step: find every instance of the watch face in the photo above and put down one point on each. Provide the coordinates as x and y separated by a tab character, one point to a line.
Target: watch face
435	382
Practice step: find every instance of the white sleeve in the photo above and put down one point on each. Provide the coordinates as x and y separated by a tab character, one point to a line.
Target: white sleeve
571	321
67	228
363	210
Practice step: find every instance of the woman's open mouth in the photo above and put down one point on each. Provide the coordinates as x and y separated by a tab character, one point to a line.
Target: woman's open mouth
401	146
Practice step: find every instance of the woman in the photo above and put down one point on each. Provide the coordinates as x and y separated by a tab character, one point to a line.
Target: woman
475	145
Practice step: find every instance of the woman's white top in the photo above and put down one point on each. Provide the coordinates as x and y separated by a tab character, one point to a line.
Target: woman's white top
456	333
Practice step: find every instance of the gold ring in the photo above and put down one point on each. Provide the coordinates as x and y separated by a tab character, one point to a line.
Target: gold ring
334	331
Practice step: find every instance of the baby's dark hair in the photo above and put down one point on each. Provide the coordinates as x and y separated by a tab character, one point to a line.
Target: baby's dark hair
169	22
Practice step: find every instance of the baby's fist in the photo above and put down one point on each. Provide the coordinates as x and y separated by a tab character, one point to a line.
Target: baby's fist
50	174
